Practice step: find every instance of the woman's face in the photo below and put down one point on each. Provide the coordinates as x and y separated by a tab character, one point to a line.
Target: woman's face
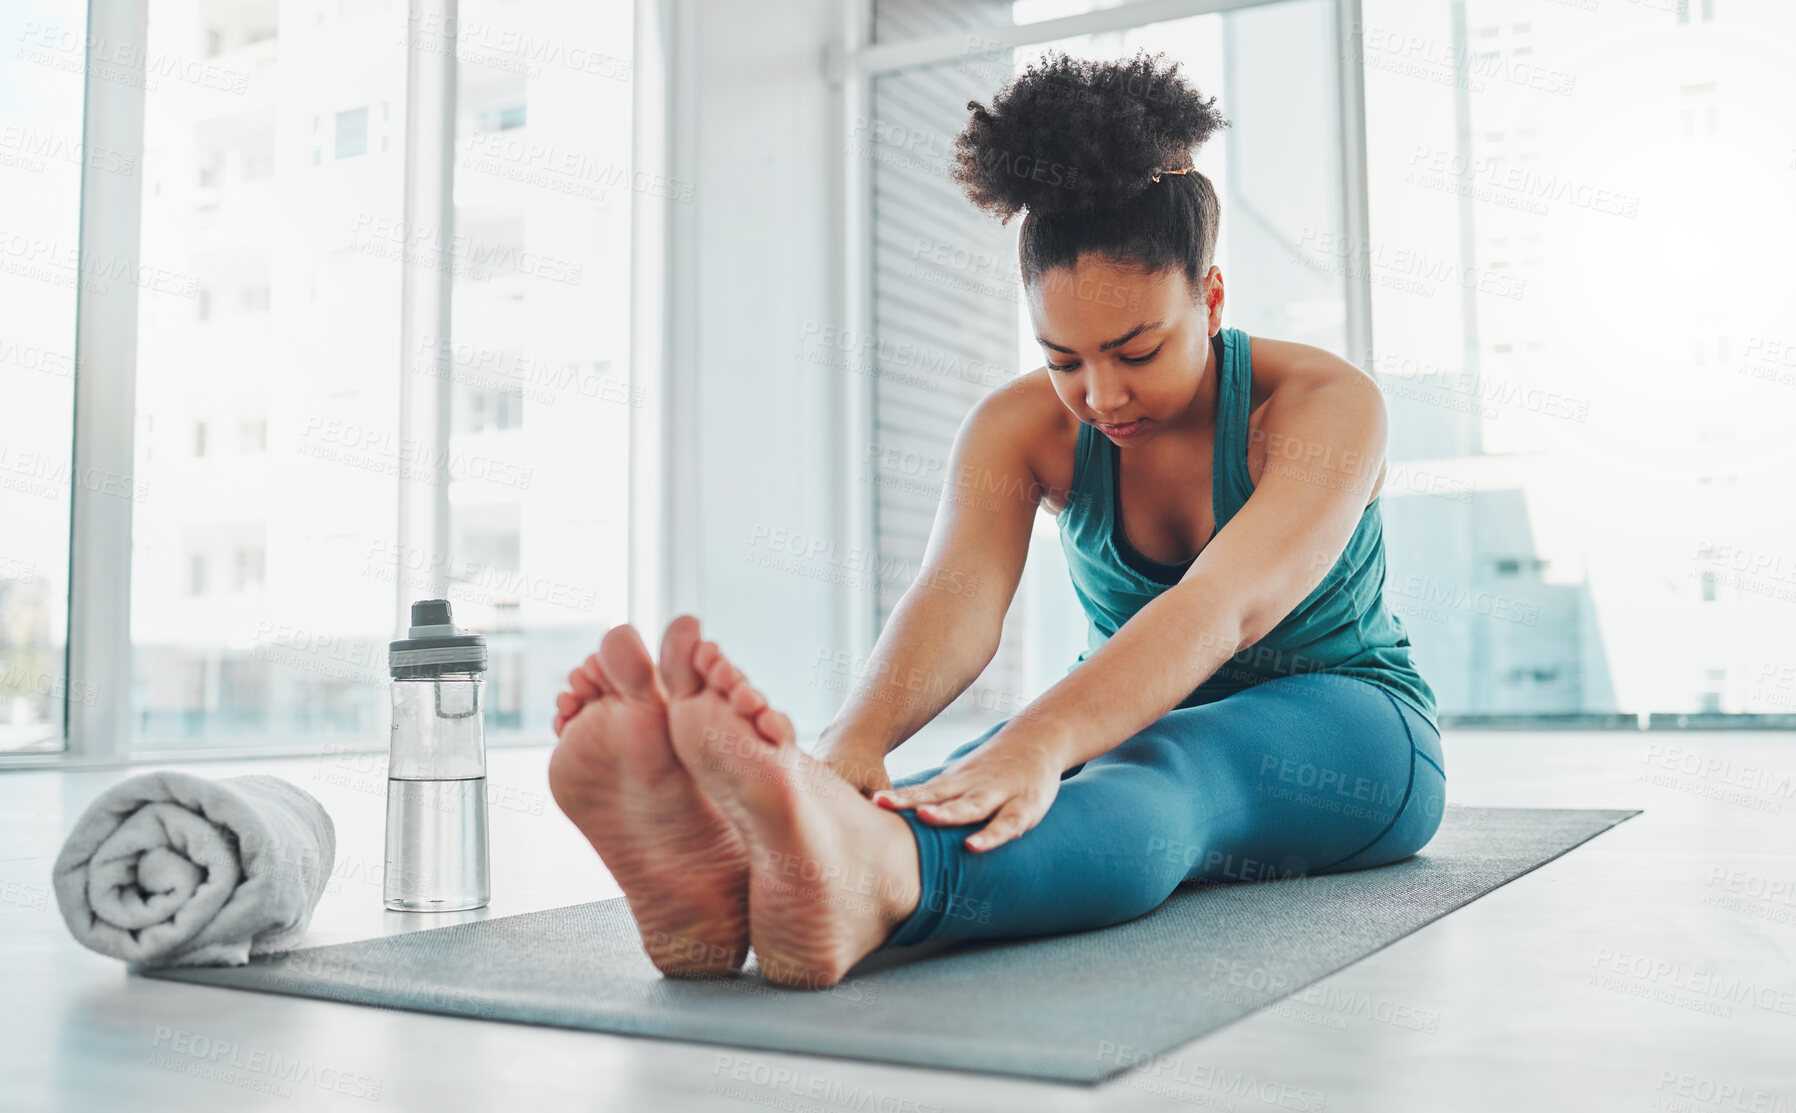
1127	351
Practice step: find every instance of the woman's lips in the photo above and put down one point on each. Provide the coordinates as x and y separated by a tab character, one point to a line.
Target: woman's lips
1128	430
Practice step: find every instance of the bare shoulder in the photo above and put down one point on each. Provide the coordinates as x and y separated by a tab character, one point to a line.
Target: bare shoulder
1287	363
1290	370
1026	420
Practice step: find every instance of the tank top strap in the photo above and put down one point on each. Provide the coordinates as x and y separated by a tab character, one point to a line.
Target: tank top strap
1091	472
1234	368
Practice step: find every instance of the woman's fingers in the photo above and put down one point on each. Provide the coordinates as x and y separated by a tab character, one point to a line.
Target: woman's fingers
968	808
1012	820
929	792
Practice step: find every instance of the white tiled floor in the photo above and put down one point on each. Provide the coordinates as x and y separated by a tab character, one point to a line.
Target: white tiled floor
1647	970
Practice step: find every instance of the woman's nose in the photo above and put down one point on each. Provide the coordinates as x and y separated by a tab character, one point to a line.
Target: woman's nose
1105	394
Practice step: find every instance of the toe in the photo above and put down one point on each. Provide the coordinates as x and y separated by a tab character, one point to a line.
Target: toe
595	672
581	684
677	670
627	663
775	726
746	701
724	677
704	655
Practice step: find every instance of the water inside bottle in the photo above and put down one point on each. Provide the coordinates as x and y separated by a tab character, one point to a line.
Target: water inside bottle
436	845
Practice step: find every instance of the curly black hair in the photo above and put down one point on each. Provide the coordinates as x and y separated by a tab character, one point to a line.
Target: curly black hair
1075	144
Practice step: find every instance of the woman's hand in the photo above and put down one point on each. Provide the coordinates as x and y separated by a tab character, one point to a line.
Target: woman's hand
862	766
1012	781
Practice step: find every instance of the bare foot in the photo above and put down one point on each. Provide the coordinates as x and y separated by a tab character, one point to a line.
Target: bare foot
831	874
681	864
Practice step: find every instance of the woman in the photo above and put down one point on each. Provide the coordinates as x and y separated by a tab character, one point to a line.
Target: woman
1247	708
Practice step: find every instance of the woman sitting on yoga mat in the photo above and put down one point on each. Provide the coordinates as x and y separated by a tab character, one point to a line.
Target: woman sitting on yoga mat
1247	708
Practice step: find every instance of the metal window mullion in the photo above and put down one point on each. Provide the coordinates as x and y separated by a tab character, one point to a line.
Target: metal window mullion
1356	215
104	446
648	603
424	310
679	451
858	612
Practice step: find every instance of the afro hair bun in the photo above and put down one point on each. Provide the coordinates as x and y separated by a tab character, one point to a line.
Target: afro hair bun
1073	135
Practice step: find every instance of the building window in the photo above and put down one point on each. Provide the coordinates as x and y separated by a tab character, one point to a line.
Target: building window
1711	694
251	564
482	550
352	133
258	161
495	409
502	119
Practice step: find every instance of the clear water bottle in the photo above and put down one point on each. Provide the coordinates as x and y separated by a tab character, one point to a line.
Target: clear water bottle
436	768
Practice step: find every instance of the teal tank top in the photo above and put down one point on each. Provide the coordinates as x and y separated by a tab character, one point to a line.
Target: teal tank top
1342	626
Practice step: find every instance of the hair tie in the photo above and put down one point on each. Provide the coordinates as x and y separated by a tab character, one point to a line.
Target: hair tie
1186	170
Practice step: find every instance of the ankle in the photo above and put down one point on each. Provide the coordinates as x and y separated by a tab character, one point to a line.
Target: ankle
903	889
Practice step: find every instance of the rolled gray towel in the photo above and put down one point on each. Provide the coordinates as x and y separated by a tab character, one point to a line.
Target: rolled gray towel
173	869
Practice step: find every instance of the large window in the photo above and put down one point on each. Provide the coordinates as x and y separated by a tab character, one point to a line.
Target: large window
1562	272
539	376
267	391
343	399
41	159
1585	346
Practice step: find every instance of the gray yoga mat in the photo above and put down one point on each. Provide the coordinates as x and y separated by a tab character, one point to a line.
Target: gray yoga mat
1076	1007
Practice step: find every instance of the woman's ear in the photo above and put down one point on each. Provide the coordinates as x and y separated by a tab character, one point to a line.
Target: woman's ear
1213	299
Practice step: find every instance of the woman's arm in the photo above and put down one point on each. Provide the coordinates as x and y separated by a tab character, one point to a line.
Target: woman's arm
1330	430
945	629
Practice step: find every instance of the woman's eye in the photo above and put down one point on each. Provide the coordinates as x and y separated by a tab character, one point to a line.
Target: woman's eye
1142	359
1061	366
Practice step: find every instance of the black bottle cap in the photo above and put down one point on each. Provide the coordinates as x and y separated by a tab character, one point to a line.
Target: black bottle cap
431	612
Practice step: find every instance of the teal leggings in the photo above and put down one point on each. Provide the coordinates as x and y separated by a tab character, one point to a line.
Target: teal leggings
1306	774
